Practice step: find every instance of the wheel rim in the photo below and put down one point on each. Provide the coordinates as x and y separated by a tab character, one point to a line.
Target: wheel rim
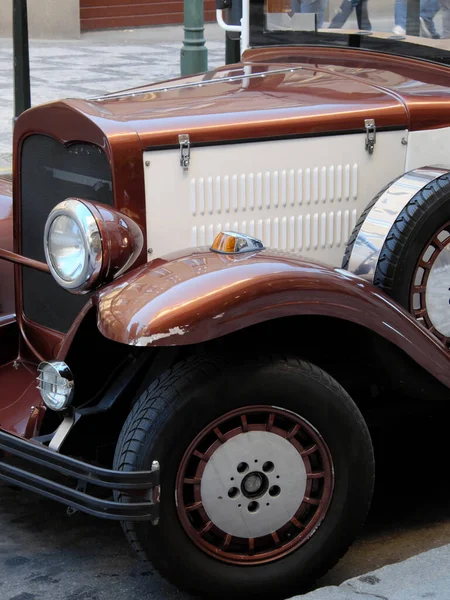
430	292
254	485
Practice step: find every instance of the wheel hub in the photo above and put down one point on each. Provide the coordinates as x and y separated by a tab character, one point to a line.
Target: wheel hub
437	292
253	504
254	485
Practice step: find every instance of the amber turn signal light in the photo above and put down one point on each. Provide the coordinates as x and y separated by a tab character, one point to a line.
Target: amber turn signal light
231	242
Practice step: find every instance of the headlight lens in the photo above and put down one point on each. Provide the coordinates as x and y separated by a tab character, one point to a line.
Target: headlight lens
66	248
73	246
55	384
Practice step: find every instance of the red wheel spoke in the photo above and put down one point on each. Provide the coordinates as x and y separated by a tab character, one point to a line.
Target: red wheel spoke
270	421
420	312
195	506
209	525
309	500
437	244
219	434
297	523
200	455
244	423
318	475
192	480
424	265
227	541
419	289
309	451
251	546
293	432
275	538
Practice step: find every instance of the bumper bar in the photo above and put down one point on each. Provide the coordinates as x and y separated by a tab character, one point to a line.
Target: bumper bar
142	484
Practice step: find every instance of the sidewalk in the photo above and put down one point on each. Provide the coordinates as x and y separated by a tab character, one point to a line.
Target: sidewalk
99	62
424	576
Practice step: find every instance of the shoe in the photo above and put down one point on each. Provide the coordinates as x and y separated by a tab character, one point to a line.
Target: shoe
398	30
427	29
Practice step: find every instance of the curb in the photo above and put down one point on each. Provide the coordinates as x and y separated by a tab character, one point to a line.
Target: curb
426	575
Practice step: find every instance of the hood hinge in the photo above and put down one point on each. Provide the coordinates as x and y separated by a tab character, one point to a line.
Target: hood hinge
371	135
185	150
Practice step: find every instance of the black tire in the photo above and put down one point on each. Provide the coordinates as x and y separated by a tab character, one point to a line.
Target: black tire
424	215
187	398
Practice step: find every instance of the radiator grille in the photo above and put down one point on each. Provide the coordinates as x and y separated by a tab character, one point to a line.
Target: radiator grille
51	172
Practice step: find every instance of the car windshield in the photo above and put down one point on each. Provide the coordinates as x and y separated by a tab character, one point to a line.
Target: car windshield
419	28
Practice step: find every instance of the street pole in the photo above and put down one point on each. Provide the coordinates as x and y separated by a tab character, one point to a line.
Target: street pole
232	40
413	17
232	50
194	55
22	94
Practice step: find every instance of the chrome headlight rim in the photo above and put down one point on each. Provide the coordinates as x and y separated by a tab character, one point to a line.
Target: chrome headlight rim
92	240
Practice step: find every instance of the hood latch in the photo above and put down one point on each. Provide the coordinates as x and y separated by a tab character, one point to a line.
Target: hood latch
371	135
185	150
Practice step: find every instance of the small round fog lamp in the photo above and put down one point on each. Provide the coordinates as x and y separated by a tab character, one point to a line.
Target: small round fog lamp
55	384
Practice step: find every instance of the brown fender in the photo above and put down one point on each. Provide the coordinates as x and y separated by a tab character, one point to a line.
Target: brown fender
195	296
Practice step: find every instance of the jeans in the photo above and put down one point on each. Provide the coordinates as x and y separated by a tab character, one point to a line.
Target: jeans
445	7
310	6
346	9
428	9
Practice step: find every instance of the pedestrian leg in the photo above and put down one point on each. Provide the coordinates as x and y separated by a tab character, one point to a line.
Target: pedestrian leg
345	10
362	14
428	10
400	17
445	7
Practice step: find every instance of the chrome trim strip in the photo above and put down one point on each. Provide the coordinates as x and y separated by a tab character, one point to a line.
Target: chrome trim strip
375	229
169	88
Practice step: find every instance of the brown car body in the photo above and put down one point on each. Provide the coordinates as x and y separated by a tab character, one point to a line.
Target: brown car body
318	94
197	299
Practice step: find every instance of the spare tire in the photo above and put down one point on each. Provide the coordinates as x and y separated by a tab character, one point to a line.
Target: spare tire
413	263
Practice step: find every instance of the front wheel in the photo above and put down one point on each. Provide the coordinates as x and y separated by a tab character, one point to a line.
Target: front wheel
266	474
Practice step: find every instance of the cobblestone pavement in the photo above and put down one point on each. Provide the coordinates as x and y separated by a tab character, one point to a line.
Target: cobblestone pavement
99	62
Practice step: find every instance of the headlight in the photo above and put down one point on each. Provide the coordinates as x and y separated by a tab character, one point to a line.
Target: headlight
87	244
73	245
55	384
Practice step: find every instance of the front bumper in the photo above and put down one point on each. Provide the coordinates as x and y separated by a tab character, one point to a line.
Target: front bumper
141	486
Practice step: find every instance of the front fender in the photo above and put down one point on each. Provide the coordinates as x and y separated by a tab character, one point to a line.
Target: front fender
200	295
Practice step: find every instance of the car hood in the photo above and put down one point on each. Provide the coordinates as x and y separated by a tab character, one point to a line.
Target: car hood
274	92
250	101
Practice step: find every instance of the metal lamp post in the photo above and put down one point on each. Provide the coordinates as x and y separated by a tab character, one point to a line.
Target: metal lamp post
194	55
22	94
413	17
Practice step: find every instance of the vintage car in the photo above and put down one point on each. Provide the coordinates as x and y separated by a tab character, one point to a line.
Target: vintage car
208	336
